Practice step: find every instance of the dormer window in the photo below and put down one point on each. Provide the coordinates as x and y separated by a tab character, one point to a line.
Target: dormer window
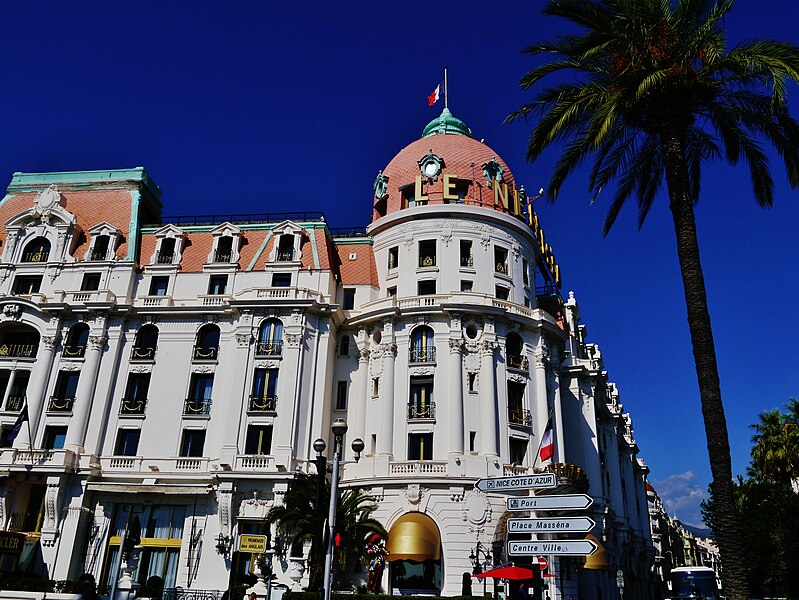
224	248
100	250
285	248
166	252
226	245
37	251
168	246
103	241
287	243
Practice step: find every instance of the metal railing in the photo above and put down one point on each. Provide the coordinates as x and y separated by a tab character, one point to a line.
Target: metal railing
520	416
15	403
143	353
193	406
19	350
246	218
60	404
263	403
286	255
164	259
206	352
421	411
467	261
222	257
502	268
98	255
517	362
422	355
427	261
269	348
132	406
36	257
74	351
181	594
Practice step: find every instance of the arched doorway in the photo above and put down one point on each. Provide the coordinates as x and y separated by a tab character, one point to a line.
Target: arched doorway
414	546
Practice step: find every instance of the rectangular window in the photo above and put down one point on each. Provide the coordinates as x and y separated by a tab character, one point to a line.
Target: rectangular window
502	293
527	302
193	442
224	249
90	283
158	286
392	292
285	249
127	442
138	386
264	383
427	287
281	280
517	450
467	260
525	272
420	403
54	437
375	387
16	396
349	299
27	284
466	285
259	440
516	411
344	346
408	196
217	285
341	395
472	441
67	384
166	252
501	260
420	446
393	257
100	250
471	379
427	253
200	390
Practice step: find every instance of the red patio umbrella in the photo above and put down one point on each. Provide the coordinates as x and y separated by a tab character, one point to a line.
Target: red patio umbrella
512	573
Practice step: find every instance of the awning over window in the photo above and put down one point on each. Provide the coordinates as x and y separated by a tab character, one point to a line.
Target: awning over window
414	537
598	561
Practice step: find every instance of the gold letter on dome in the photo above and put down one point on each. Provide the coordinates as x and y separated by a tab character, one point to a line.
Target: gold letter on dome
418	196
501	193
449	186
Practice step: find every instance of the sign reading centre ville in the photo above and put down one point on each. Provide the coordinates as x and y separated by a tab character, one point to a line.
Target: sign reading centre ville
561	502
252	543
521	482
552	547
551	525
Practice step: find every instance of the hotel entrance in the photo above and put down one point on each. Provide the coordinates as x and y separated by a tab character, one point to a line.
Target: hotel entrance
414	546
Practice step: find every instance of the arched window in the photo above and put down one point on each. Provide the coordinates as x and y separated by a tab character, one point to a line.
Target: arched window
37	250
18	341
423	349
77	340
514	347
207	346
146	343
270	338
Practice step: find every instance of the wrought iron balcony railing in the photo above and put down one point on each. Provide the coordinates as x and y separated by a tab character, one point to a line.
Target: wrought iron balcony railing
269	348
143	353
569	475
132	406
502	268
165	259
18	350
222	257
519	416
517	362
427	261
286	255
206	352
36	257
467	261
194	406
421	411
74	351
98	255
263	403
15	403
60	404
422	355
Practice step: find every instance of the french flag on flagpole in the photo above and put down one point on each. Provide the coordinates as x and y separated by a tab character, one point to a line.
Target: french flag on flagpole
547	450
434	96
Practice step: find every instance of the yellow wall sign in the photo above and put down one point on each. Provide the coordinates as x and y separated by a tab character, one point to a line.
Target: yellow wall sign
252	543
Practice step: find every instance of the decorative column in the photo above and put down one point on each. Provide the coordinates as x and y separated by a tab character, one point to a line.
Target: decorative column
560	452
541	399
488	401
9	386
386	437
361	392
289	397
456	406
36	388
240	367
84	395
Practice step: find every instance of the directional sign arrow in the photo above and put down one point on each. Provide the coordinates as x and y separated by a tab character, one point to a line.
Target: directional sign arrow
555	502
552	547
521	482
553	525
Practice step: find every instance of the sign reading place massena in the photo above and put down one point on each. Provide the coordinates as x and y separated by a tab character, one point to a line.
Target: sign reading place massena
551	525
520	482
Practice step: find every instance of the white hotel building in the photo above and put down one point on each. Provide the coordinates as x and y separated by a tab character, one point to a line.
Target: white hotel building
182	370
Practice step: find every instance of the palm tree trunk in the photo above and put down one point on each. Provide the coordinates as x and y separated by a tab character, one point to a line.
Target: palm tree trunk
718	446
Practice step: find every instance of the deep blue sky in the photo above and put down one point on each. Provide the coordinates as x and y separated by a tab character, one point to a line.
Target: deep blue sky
256	107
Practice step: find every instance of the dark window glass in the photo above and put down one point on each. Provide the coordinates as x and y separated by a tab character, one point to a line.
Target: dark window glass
344	348
281	280
525	272
201	387
27	284
4	441
192	443
421	404
166	252
427	287
427	253
100	249
54	437
224	249
147	337
259	439
393	257
466	286
341	395
127	442
217	285
264	384
420	446
349	299
208	337
501	260
518	449
285	249
37	250
138	386
158	286
67	384
466	254
91	282
502	293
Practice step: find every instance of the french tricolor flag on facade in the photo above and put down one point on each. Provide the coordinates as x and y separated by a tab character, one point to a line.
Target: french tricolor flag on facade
547	444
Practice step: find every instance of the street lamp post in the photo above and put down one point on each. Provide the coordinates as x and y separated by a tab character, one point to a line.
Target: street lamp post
321	471
339	428
474	556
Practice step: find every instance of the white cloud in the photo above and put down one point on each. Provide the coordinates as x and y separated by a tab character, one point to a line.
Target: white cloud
681	495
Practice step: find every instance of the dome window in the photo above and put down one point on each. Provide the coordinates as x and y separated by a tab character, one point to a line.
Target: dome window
430	166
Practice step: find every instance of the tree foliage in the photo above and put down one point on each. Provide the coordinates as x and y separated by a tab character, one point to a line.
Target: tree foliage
648	92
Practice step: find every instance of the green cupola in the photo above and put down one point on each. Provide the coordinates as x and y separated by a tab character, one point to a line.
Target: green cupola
446	123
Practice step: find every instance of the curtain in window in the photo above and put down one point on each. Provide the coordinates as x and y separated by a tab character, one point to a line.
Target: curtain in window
271	331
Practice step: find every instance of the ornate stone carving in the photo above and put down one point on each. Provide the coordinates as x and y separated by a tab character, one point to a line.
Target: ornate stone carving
225	497
70	366
49	342
389	349
12	311
539	358
456	493
408	240
266	364
51	512
446	236
476	510
202	369
293	340
255	507
421	371
487	348
414	493
516	249
456	345
485	240
363	354
243	339
97	342
517	378
142	369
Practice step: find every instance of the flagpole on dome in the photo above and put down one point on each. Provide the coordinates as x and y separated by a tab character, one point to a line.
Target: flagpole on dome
446	91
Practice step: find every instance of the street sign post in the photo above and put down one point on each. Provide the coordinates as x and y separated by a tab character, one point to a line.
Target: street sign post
551	525
521	482
559	502
542	561
552	547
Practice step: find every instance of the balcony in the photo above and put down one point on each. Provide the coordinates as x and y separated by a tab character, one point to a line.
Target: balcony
467	261
154	301
74	351
254	462
427	261
15	403
85	296
279	293
132	406
60	404
519	416
286	255
417	412
143	353
18	350
502	268
422	355
517	362
98	255
570	477
36	257
269	348
194	408
164	259
263	404
418	467
137	464
222	257
214	299
205	353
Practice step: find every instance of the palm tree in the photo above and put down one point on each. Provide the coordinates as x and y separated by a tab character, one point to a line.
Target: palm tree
771	453
656	93
299	520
